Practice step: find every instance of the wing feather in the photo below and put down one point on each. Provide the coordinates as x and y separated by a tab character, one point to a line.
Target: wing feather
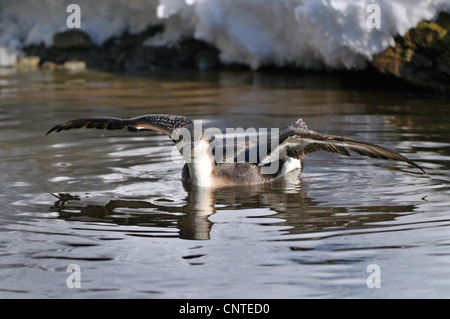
297	141
165	124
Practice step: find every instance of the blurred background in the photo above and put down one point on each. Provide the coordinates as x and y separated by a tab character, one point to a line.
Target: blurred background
403	39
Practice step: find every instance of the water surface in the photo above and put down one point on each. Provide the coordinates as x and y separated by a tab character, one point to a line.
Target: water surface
113	203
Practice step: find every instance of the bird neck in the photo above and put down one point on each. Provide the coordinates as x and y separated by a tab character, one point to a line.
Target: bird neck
201	164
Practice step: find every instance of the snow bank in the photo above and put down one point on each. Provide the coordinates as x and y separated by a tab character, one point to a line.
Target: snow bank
308	33
8	57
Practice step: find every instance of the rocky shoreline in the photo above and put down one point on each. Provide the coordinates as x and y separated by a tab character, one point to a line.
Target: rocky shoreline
126	53
420	58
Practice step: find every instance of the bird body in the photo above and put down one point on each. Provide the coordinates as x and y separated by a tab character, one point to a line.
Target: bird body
203	169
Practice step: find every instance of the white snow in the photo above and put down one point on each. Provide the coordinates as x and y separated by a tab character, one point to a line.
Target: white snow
308	33
8	57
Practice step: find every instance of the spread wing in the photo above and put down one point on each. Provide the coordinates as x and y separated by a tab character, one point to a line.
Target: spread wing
165	124
297	141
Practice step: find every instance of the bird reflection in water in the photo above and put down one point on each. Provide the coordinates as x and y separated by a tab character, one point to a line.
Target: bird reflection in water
288	199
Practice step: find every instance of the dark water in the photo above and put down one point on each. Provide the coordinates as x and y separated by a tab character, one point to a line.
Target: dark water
112	203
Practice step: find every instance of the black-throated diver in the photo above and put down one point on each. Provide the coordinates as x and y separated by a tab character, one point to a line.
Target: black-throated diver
294	143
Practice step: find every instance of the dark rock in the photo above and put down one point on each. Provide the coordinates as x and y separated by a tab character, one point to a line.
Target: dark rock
127	52
72	40
421	56
207	60
198	54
